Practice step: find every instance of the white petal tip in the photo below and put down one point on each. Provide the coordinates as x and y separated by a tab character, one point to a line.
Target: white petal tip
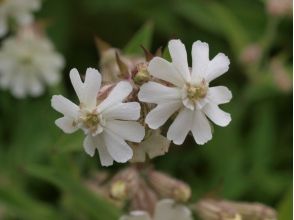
73	72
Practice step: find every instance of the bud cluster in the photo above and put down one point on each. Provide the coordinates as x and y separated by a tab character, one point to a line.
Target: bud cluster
143	187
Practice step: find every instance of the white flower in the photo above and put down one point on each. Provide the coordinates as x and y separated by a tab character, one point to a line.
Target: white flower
190	94
152	146
165	209
28	61
19	11
107	125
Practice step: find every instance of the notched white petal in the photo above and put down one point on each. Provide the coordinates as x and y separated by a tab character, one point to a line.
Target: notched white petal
76	82
217	66
64	106
218	116
89	145
164	70
123	111
201	129
200	60
91	87
105	158
219	95
153	92
178	54
117	147
66	124
159	115
180	127
127	130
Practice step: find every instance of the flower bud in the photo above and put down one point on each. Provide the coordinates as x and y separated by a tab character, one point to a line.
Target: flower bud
280	75
210	209
169	187
124	184
279	7
251	54
144	199
141	74
118	190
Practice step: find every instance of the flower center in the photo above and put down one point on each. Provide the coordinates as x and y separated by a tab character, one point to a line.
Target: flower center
196	92
91	121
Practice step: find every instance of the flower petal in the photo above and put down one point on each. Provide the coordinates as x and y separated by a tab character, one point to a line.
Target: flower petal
76	82
105	158
136	215
64	106
178	54
181	126
217	66
201	129
117	95
219	95
123	111
117	147
159	115
153	92
218	116
66	124
91	87
167	209
89	145
87	92
127	130
200	60
164	70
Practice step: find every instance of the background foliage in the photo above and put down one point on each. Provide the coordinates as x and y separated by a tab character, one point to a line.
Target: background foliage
43	171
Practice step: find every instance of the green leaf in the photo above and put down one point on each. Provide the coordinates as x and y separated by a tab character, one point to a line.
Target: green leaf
85	200
142	37
216	18
23	205
285	209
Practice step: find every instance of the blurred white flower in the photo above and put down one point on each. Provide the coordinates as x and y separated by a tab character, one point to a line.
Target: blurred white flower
28	61
18	11
190	94
107	125
152	146
165	209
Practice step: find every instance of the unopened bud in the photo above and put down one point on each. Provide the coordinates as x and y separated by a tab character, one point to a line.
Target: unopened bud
279	7
251	54
141	74
118	190
144	199
210	209
108	66
124	184
280	75
169	187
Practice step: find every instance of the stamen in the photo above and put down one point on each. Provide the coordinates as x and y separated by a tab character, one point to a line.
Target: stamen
196	92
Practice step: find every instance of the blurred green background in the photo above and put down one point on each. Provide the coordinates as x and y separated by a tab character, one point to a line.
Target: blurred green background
43	171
